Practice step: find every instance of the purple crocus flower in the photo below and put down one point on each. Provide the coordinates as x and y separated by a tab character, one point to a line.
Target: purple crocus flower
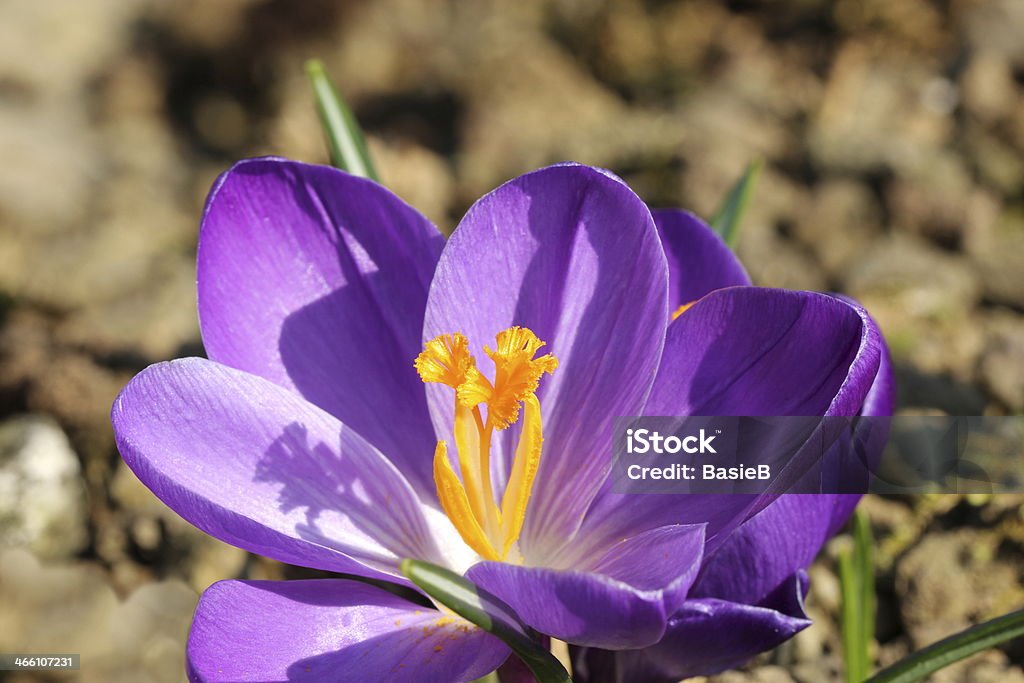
374	393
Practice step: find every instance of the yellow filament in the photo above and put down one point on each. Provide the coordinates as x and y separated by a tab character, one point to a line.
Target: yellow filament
455	504
524	469
473	444
469	502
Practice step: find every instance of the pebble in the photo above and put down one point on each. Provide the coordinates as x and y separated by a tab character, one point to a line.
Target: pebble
42	496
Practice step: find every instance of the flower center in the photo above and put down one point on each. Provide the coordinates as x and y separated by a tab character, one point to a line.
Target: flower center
470	504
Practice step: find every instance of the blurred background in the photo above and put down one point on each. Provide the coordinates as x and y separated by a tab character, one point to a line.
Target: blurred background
893	136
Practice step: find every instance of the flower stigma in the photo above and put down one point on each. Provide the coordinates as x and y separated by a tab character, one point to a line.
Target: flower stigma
469	502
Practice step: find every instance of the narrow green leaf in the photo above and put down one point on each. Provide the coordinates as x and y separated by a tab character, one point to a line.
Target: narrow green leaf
959	646
850	617
857	579
344	138
726	221
465	599
862	553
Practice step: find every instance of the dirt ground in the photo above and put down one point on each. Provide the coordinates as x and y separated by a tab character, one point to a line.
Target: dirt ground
893	137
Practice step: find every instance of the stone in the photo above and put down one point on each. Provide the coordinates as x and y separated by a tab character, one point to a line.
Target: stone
1002	364
998	251
987	85
78	391
937	580
996	27
923	299
147	634
933	199
42	497
874	113
52	608
841	217
73	608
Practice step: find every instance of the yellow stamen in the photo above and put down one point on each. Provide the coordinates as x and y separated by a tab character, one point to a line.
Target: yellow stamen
470	502
473	444
682	309
524	469
455	503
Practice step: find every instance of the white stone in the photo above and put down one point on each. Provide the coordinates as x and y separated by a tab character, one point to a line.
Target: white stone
42	496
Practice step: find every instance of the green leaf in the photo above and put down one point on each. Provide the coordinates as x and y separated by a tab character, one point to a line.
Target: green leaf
857	579
964	644
726	221
850	618
465	599
862	554
344	138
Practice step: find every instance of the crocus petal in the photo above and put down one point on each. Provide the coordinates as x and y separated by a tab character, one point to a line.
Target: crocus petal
618	601
572	254
706	637
709	636
767	549
258	467
330	631
746	351
317	280
880	402
698	260
761	351
811	520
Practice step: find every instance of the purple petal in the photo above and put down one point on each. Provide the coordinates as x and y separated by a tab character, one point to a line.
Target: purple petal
258	467
619	601
880	402
881	398
777	542
666	559
709	636
317	280
768	549
330	631
760	351
706	637
698	260
746	351
572	254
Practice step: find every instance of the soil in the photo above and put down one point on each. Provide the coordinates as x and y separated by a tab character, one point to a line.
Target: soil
893	141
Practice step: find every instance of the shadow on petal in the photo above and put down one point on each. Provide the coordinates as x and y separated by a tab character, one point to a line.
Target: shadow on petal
350	500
